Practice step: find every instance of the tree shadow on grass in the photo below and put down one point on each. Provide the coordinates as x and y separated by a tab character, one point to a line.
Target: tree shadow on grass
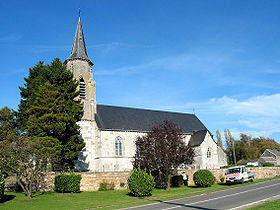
6	198
184	205
37	193
194	186
131	194
223	184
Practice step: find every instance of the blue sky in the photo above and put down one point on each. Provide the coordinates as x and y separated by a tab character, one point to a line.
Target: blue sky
219	59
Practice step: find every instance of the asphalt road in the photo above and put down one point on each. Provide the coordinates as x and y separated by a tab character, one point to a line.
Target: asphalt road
236	198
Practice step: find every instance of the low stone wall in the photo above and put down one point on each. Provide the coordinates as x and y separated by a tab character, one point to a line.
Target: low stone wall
91	180
260	173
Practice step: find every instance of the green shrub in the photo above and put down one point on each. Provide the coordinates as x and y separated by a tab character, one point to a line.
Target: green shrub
140	183
103	186
250	166
2	185
203	178
177	181
122	184
67	182
268	164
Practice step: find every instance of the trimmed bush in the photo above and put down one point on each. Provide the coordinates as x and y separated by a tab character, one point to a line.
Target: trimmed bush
2	185
203	178
67	182
268	164
140	183
177	181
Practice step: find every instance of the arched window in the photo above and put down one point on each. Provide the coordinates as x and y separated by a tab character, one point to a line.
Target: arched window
209	153
118	146
82	89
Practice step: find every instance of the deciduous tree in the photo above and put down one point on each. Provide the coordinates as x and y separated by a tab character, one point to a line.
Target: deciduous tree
28	159
7	122
162	150
219	139
230	142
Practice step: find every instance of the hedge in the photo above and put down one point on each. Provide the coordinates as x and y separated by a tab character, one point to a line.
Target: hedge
268	164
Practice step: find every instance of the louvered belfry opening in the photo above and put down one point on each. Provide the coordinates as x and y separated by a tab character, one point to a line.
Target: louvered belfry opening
82	89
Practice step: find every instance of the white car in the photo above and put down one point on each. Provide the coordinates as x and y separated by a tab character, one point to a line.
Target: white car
239	174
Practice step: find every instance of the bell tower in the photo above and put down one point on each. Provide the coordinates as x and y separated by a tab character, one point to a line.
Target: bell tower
81	67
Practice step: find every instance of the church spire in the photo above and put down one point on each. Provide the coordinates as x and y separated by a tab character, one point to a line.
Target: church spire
79	50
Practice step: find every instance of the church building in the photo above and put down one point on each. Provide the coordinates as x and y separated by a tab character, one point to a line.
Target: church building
109	132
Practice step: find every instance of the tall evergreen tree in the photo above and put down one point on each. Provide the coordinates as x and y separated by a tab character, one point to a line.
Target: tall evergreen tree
49	108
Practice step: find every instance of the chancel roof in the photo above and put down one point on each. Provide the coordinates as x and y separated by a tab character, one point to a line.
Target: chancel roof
132	119
198	137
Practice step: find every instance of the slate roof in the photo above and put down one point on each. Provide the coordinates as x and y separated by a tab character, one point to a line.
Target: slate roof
268	158
132	119
197	138
274	151
79	50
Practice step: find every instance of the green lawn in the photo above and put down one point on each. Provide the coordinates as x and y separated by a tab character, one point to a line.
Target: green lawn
269	205
106	199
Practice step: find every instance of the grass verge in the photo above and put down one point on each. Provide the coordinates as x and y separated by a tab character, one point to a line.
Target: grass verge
269	205
104	199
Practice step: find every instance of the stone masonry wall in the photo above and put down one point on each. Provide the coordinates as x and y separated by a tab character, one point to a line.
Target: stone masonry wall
260	173
90	180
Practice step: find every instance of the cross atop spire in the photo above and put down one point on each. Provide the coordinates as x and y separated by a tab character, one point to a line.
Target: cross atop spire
79	50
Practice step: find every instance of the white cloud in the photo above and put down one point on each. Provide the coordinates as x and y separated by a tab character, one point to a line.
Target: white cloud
191	62
105	48
257	116
46	48
265	106
10	38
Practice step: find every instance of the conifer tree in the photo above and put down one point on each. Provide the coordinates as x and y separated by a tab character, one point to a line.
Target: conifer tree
49	108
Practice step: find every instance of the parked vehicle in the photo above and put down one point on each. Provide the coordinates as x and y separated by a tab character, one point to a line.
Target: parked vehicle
239	174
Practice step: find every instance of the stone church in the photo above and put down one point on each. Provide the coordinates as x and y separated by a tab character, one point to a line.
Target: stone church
109	132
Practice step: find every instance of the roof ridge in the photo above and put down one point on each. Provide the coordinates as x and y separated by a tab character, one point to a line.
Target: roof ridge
146	109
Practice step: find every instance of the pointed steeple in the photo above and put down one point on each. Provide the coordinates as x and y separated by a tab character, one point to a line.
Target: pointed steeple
79	50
